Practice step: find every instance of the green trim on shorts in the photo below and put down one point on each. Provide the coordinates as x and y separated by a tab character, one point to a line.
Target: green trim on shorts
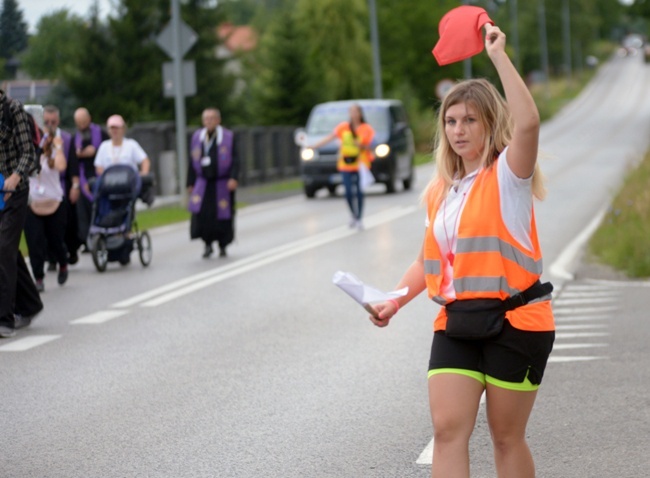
459	371
525	386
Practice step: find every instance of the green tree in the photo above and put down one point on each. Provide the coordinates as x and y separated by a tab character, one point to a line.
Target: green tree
13	29
285	86
54	46
338	38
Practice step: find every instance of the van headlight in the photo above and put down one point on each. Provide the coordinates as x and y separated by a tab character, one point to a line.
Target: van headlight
307	154
382	150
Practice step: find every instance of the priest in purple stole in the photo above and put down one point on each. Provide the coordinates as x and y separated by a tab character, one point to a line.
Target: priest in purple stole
86	142
211	183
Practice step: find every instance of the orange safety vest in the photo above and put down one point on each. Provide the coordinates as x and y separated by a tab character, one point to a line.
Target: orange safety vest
365	133
489	262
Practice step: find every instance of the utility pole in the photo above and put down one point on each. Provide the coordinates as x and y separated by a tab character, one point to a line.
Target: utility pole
374	38
541	12
179	100
467	63
514	27
566	37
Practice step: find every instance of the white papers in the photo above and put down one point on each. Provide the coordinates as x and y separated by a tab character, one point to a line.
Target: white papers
362	293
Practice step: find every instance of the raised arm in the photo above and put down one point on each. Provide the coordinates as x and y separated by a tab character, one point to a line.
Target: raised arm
323	141
522	151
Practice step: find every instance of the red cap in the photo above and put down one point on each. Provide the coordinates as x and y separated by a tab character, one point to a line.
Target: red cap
460	34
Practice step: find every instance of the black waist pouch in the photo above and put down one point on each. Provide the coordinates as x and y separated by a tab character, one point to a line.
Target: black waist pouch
478	319
475	319
350	159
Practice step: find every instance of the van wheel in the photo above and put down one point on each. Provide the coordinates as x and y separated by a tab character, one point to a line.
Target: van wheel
390	185
310	192
332	189
408	182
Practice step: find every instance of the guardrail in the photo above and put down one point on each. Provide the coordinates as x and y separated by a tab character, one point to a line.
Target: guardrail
266	153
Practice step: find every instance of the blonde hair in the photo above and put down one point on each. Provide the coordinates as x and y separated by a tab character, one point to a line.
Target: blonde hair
494	114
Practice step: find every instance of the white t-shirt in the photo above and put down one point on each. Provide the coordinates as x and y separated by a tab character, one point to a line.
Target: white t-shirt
516	198
130	152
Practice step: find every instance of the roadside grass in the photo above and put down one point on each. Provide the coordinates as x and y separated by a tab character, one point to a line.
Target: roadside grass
623	239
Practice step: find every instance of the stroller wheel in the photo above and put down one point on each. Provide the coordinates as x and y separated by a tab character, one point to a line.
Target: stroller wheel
144	248
100	253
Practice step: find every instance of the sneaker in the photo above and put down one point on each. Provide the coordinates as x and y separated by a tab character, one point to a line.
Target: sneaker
207	252
7	332
63	275
222	252
40	286
359	225
353	223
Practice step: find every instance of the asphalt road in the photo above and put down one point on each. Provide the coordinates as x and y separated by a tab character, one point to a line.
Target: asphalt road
257	366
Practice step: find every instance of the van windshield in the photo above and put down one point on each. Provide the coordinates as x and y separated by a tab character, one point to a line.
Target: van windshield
324	120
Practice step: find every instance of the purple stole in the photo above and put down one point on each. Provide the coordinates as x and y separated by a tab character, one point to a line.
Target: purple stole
96	140
224	163
67	139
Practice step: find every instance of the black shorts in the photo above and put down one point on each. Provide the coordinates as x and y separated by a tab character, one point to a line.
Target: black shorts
512	356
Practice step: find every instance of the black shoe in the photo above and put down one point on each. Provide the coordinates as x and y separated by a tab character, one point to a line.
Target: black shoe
51	267
207	252
63	275
73	258
222	252
40	286
7	332
20	322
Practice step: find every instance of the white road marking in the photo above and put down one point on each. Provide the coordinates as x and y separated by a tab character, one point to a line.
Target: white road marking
560	268
562	302
587	288
580	335
99	317
27	343
570	294
616	283
200	281
580	318
576	346
582	310
560	359
580	327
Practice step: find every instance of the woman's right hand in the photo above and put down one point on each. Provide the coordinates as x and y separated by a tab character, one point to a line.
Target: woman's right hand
383	312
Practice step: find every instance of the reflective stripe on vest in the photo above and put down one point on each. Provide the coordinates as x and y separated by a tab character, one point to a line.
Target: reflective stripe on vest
489	262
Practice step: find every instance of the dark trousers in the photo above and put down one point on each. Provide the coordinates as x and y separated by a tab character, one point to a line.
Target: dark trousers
44	231
28	300
84	212
353	193
12	221
71	236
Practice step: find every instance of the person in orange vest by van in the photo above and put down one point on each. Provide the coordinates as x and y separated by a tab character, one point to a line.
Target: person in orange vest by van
481	261
355	136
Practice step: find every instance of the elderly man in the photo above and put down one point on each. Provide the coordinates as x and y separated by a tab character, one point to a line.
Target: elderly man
211	183
86	142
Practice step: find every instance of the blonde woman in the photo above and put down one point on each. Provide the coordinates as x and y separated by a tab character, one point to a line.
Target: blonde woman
481	261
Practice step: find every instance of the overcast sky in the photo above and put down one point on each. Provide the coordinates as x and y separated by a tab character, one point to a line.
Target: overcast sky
35	9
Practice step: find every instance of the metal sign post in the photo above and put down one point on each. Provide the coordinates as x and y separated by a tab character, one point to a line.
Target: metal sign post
176	40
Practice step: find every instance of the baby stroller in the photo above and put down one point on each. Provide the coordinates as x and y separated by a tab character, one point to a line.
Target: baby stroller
113	229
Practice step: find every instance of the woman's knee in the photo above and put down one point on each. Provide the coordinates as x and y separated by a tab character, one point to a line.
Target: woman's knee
449	428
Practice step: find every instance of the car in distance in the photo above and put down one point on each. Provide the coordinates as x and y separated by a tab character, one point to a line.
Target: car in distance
393	144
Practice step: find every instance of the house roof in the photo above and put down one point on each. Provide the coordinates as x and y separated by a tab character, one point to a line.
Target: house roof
237	38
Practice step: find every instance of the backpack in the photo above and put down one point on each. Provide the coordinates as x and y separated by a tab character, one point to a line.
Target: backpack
34	131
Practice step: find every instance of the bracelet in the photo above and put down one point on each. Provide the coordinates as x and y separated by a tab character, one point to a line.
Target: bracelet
395	303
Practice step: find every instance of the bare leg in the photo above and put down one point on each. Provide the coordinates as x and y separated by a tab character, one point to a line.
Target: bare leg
508	412
454	401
